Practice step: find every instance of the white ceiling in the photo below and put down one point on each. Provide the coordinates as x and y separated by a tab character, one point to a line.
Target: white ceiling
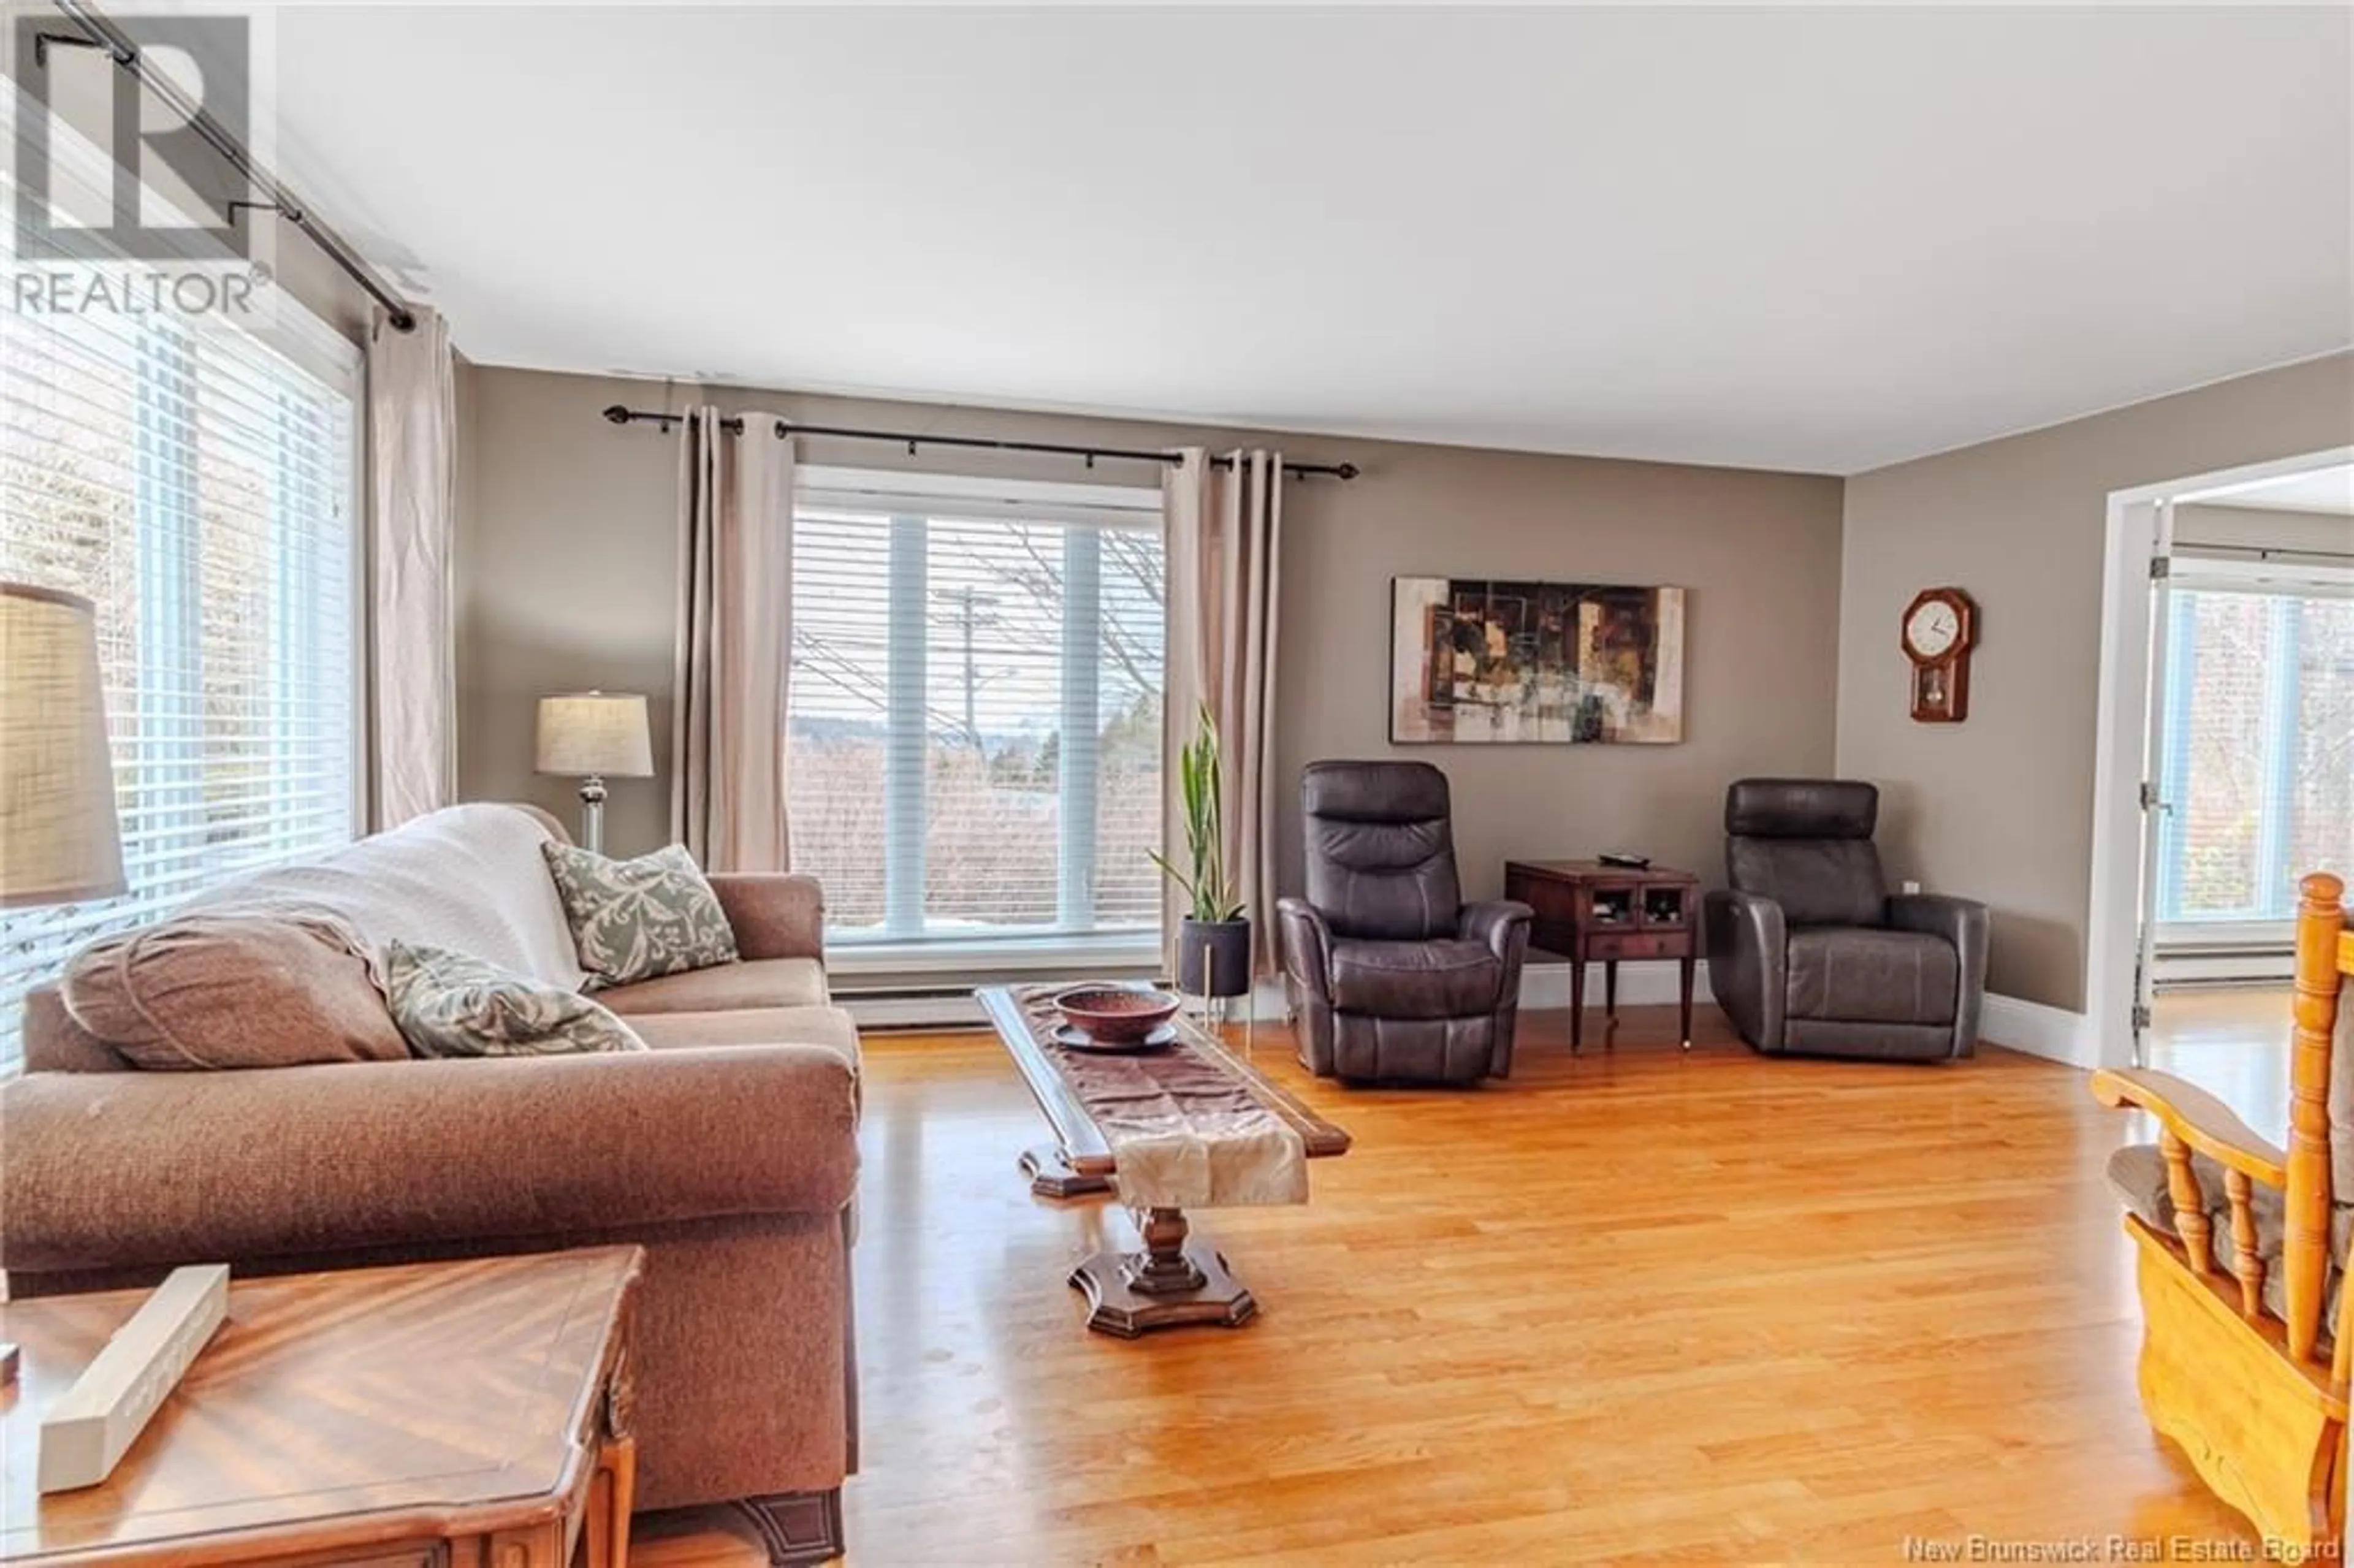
1821	239
2329	490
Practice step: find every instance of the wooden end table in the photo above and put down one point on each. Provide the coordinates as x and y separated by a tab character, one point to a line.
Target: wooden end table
1175	1279
1586	911
470	1411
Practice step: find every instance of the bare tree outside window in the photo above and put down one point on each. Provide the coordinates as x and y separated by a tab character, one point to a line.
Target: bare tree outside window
194	486
1015	628
2258	752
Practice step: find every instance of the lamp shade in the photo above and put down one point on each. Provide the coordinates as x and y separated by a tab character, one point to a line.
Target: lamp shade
595	733
59	840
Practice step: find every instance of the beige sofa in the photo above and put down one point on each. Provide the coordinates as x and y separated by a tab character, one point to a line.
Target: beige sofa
729	1152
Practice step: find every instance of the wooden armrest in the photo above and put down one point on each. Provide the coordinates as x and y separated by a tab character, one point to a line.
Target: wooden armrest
2196	1118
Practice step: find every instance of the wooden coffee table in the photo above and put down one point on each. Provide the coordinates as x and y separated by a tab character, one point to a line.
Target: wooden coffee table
474	1411
1175	1279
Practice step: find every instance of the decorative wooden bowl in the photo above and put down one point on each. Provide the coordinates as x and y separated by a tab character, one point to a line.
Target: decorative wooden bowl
1116	1015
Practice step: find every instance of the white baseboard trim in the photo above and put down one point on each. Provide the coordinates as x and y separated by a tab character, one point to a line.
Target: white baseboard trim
2037	1030
1543	985
1650	983
2030	1027
955	1008
1546	984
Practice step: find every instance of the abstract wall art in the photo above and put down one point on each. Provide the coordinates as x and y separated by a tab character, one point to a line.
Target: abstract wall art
1480	661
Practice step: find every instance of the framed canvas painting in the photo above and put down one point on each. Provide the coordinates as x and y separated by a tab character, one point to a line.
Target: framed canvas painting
1477	660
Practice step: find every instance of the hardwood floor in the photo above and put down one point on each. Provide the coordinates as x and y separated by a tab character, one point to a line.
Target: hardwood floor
2233	1042
1634	1307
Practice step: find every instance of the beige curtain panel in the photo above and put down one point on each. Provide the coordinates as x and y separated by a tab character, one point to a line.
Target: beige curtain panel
1225	538
412	500
734	644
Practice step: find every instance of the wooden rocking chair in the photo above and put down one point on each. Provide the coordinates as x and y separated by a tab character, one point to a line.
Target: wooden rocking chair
2241	1249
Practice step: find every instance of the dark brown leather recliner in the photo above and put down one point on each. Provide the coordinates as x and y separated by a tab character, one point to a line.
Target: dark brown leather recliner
1390	974
1807	953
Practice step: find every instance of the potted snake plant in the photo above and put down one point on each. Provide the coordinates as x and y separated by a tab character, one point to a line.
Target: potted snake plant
1214	940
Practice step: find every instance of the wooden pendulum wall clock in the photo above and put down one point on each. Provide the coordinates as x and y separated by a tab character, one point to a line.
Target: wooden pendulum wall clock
1941	625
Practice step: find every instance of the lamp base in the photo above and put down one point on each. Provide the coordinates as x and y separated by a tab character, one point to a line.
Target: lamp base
592	814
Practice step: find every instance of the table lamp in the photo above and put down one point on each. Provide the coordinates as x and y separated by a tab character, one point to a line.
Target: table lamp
59	840
591	735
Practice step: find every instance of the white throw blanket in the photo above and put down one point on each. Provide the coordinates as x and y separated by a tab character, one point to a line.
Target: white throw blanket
467	877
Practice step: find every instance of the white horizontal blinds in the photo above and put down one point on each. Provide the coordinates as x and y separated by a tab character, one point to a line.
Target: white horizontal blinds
2258	757
1127	885
197	486
994	659
2320	795
975	718
839	720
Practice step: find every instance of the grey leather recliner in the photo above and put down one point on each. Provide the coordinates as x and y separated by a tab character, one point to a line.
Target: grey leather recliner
1389	973
1808	954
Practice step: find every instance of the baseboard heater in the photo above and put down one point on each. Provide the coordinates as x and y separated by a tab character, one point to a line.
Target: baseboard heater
926	1009
932	1004
2223	964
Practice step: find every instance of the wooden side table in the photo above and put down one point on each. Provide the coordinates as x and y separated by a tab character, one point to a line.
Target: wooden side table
1588	911
476	1412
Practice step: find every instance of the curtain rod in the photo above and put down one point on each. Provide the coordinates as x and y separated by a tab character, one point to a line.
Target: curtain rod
2264	554
620	415
100	33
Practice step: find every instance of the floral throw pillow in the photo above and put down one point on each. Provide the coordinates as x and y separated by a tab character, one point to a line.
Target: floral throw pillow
639	919
454	1004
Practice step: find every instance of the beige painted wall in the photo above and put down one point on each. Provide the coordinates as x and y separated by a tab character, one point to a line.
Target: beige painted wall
2000	807
567	567
565	560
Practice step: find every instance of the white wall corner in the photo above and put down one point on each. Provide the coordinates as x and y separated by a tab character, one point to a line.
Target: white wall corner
2036	1030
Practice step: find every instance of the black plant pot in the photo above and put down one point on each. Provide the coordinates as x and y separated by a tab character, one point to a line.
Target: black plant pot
1213	957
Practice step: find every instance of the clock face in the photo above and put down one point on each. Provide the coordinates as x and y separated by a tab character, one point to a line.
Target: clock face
1930	630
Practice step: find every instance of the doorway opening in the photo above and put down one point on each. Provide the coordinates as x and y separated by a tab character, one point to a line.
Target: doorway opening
2225	762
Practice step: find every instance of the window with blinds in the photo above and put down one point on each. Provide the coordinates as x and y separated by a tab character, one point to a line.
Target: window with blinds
196	484
975	725
2257	754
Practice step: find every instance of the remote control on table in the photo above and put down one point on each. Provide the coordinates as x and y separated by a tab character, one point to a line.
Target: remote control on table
1620	857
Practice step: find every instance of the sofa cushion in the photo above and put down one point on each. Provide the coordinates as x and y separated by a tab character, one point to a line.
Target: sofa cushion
452	1004
774	914
233	991
829	1026
1864	975
2137	1175
467	877
748	982
639	919
1442	978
